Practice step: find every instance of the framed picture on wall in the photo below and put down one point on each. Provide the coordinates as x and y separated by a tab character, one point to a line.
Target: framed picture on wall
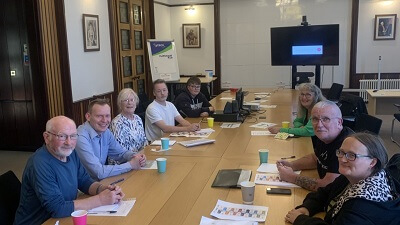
91	39
191	35
385	27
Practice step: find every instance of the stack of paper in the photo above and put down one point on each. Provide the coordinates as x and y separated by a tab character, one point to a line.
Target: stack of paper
263	125
208	221
158	142
272	178
231	211
203	133
121	209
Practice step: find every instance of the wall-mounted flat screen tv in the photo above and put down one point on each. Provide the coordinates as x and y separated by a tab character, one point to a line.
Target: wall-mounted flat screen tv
305	45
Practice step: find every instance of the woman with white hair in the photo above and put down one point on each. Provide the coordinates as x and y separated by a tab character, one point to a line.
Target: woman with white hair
310	94
127	127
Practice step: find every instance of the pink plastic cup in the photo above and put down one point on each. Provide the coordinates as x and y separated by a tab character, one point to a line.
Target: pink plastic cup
79	217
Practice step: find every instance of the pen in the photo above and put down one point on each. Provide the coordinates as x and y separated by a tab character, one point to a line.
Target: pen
117	181
289	157
100	212
181	111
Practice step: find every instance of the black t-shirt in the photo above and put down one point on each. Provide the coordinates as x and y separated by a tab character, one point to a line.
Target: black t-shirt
326	153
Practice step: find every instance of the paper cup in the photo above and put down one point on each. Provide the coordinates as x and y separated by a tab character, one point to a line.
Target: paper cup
263	153
285	124
210	122
164	143
161	165
79	217
248	188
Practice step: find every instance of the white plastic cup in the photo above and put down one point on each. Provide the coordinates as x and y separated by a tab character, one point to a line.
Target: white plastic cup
248	188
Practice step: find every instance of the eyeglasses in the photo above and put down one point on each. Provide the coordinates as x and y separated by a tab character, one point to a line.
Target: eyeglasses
307	95
195	86
128	100
63	137
324	120
349	155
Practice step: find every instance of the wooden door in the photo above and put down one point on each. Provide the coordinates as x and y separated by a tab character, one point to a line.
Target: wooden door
131	38
20	123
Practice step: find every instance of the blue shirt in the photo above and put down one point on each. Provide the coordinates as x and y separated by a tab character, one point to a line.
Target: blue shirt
93	150
49	187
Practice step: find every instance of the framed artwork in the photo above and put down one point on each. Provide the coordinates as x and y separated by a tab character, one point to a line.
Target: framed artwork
91	38
191	35
385	27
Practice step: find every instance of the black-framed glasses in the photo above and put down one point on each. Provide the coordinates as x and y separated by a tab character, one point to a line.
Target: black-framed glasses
195	86
63	137
324	120
349	155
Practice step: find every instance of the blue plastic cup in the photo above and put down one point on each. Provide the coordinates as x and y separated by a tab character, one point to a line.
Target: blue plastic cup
164	143
161	165
263	153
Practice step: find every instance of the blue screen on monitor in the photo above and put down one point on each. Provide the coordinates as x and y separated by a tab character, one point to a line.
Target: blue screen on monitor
307	50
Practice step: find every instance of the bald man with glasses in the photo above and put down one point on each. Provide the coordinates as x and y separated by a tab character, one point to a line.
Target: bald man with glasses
53	175
329	132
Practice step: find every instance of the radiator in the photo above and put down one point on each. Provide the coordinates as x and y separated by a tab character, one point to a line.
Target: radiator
373	84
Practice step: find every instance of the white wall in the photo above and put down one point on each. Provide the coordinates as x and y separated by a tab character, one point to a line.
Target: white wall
162	17
191	61
369	50
91	72
245	39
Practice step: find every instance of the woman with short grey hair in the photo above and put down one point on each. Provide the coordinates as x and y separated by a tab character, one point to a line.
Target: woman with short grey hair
127	127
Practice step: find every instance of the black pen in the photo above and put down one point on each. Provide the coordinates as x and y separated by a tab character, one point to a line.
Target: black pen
117	181
100	212
290	157
181	111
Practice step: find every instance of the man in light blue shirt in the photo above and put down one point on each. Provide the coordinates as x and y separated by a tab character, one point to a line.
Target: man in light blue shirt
96	143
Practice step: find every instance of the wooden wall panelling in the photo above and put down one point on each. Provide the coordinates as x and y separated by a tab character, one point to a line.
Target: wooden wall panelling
51	58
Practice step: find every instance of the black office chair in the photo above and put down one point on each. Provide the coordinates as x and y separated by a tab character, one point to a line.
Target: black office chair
335	92
365	122
351	107
10	191
141	108
396	117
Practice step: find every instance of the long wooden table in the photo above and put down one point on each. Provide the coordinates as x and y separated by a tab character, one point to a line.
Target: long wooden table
183	194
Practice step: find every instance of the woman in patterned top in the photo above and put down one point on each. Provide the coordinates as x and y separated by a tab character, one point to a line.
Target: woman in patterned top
127	127
362	194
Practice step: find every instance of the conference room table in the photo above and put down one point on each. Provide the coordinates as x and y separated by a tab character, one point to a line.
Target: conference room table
183	194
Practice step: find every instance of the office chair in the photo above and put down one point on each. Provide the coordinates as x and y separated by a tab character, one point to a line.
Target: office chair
351	107
335	92
396	117
365	122
142	106
10	191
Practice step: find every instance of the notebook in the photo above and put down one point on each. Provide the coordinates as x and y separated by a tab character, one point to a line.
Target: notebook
231	178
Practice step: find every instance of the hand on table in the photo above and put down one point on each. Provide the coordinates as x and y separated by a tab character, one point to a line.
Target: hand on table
194	127
108	197
204	114
286	172
274	130
294	213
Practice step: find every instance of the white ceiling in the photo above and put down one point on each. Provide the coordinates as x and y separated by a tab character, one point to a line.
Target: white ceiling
179	2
